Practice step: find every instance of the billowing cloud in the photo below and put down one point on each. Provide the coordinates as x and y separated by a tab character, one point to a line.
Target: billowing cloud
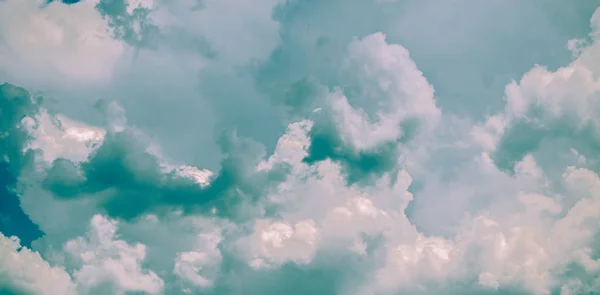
372	186
551	106
49	42
105	259
26	272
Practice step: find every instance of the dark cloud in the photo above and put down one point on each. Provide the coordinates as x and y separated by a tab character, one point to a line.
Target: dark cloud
68	2
128	181
325	143
524	137
134	28
15	104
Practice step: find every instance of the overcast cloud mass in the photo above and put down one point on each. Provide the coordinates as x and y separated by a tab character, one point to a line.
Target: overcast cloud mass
351	147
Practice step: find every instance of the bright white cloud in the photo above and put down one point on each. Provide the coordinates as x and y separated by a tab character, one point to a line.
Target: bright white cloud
392	82
105	259
22	270
274	243
60	137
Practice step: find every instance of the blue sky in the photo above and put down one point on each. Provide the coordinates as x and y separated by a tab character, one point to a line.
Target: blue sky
299	146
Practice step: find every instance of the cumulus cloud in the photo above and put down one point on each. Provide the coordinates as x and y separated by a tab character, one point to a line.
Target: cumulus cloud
549	106
390	80
49	42
26	272
103	258
372	187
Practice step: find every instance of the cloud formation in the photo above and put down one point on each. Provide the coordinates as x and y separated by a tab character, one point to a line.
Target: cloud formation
52	42
372	186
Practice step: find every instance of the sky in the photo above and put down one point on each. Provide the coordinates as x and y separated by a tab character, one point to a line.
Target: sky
351	147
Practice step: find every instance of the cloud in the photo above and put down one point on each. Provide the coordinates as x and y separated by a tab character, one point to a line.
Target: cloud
25	272
47	43
391	80
199	267
552	103
123	171
373	187
15	103
104	258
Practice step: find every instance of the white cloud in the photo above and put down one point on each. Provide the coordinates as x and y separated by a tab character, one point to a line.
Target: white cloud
274	243
60	137
23	270
521	228
291	147
200	266
408	264
318	211
515	244
392	82
201	176
105	259
45	43
555	104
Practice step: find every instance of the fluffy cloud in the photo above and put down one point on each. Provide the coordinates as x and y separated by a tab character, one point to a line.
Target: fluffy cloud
103	258
49	42
389	79
24	271
197	267
550	106
373	188
61	137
